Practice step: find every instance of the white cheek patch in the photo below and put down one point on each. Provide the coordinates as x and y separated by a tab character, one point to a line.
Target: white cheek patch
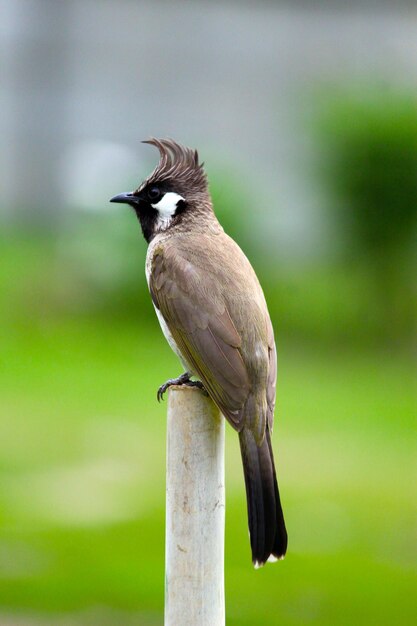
167	206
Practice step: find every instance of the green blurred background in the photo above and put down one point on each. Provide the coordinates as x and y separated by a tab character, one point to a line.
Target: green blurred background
308	127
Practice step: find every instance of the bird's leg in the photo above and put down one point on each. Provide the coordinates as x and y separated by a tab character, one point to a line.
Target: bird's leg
184	379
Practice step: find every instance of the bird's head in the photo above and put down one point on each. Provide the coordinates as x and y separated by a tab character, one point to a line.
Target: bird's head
175	192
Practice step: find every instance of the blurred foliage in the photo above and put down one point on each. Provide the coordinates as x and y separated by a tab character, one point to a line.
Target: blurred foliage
82	439
232	201
95	267
82	454
370	173
94	263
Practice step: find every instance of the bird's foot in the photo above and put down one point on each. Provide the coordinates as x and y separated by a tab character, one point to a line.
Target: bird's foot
184	379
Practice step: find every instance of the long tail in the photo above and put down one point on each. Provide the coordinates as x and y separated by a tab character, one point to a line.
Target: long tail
268	536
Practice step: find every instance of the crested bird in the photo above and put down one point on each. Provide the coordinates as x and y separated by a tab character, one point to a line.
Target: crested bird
213	313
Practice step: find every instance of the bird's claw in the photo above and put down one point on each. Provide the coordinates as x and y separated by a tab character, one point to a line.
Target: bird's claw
162	389
184	379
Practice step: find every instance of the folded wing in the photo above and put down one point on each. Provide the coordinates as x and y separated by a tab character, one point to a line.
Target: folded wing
198	319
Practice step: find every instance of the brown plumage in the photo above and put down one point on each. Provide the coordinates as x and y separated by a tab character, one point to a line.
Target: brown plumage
213	312
177	163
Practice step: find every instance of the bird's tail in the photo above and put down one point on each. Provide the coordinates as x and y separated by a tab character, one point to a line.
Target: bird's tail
268	536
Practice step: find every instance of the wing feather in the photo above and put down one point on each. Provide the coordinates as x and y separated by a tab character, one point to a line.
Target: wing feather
272	376
200	324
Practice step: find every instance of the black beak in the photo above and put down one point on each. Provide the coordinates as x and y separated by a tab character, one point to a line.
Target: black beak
125	198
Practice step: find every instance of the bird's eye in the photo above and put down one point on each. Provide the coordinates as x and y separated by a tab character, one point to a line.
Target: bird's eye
154	193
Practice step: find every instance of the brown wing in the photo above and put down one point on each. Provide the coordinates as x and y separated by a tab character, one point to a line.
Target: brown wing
200	324
272	376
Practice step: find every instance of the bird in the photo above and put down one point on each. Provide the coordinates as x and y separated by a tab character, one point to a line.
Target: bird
214	315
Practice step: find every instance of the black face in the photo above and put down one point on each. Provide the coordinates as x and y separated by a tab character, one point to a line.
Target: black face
154	193
142	204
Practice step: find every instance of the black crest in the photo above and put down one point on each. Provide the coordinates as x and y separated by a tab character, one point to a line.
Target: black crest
178	165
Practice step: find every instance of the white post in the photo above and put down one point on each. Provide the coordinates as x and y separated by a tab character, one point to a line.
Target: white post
195	511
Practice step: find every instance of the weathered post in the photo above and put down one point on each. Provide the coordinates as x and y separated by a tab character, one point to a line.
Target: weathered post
195	511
